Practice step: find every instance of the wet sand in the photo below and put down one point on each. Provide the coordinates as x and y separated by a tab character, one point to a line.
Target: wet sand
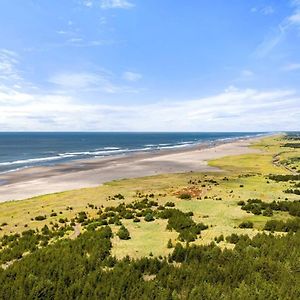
36	181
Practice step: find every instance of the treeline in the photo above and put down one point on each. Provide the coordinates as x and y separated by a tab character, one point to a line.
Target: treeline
292	191
291	225
291	145
295	136
265	267
288	177
257	207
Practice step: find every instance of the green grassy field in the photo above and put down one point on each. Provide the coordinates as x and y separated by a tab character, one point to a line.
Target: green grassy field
243	177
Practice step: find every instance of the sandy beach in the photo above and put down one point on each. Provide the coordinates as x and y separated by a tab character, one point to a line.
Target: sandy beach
36	181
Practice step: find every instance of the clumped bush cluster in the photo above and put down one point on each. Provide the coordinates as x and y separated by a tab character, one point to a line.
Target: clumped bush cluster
246	224
291	145
293	191
289	177
291	225
185	196
257	207
182	223
14	246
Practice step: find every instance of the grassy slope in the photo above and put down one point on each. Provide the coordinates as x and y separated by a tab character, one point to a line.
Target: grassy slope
223	216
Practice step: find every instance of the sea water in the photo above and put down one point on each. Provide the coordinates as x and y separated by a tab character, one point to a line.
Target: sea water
20	150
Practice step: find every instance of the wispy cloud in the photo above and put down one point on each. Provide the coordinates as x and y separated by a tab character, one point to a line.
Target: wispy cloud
251	109
88	3
76	80
8	65
108	4
131	76
295	18
270	42
291	67
124	4
72	36
278	33
265	10
247	73
89	81
268	10
82	43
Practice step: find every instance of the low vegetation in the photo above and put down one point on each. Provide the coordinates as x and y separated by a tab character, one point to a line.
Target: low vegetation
224	235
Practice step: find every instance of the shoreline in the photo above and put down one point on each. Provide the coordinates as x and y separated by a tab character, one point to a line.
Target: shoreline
36	181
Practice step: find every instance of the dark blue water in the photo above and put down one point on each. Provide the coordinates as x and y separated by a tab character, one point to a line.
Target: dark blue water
22	150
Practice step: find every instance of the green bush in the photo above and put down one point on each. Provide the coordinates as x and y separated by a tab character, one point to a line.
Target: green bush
246	224
40	218
268	212
169	245
123	233
185	196
149	217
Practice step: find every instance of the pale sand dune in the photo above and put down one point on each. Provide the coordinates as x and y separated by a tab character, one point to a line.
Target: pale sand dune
79	174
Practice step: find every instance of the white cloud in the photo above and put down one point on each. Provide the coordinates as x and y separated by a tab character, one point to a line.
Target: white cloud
131	76
89	81
88	3
278	33
291	67
81	43
247	73
76	80
265	10
107	4
62	32
295	18
103	21
231	110
8	65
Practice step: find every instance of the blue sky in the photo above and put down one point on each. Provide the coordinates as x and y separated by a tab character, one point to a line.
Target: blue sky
151	65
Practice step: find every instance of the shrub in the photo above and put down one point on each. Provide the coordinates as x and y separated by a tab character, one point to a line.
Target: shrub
185	196
128	215
233	238
81	217
123	233
268	212
256	210
40	218
118	197
246	224
219	238
149	217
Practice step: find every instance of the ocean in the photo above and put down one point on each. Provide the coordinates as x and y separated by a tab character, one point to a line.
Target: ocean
22	150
